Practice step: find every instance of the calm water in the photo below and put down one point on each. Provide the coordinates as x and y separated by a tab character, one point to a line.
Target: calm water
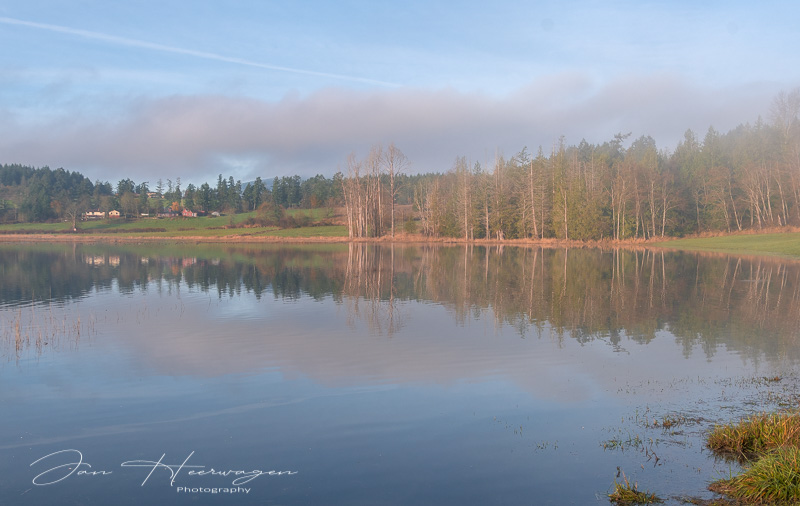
379	375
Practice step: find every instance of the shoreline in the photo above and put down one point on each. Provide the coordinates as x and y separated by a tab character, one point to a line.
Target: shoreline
708	243
399	239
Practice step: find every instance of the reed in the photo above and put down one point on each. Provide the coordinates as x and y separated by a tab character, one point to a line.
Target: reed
25	329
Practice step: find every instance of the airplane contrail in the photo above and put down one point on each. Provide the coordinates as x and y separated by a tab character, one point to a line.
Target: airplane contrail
124	41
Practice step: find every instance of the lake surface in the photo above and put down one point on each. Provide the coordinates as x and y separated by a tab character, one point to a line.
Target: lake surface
379	375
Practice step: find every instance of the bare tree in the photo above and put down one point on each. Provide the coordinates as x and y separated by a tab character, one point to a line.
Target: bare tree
72	208
372	192
784	110
463	196
785	114
394	162
351	191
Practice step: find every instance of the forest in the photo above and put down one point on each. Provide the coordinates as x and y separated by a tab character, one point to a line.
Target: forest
624	188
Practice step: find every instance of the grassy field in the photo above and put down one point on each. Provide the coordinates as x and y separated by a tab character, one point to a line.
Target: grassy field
222	226
785	244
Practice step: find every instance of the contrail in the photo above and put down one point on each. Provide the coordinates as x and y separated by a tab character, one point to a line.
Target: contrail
123	41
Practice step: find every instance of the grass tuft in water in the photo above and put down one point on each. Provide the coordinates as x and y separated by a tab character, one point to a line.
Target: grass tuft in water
772	479
670	421
757	434
625	493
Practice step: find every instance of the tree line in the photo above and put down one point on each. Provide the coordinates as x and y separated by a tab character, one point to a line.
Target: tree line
29	194
746	178
617	295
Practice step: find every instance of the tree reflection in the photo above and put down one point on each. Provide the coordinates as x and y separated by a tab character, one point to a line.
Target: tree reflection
621	296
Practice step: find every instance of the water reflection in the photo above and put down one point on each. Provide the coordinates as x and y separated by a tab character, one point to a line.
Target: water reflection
438	375
748	305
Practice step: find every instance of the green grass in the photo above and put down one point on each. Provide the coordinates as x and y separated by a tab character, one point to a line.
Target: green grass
783	244
42	228
185	227
772	479
770	445
322	231
624	493
121	225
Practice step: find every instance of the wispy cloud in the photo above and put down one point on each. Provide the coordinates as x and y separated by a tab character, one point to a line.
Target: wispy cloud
124	41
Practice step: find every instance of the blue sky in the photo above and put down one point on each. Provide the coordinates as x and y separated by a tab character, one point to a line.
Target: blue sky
149	90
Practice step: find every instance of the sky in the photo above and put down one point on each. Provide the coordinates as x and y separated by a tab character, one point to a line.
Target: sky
151	90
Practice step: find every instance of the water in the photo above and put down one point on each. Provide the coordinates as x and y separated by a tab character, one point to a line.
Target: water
379	375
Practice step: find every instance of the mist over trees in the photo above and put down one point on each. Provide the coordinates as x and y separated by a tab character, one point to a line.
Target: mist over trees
747	178
624	188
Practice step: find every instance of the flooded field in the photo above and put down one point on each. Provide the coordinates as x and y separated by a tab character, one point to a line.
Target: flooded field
380	375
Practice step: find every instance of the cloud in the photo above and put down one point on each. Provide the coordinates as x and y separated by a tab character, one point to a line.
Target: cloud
197	137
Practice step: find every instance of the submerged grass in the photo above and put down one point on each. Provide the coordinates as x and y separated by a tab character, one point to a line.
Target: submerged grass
624	493
669	422
36	328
